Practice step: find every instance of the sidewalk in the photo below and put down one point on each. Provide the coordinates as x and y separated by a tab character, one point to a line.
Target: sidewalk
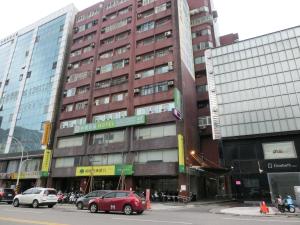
254	211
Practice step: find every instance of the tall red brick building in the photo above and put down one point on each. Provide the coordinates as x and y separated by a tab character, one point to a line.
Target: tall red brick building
128	102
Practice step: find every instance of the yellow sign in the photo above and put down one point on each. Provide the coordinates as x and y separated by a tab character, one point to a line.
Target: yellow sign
181	153
46	160
46	133
95	170
26	175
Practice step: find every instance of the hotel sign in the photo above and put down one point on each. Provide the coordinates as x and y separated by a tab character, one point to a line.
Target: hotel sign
109	170
109	124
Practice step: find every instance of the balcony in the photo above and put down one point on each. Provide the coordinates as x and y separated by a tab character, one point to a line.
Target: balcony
153	98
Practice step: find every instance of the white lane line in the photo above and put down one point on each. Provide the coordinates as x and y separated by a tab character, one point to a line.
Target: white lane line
21	211
152	221
264	220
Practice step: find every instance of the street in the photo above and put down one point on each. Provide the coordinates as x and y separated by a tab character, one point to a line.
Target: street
68	215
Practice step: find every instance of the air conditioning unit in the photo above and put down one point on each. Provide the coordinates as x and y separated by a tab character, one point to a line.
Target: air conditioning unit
128	46
98	69
171	83
137	76
76	29
136	90
169	5
202	127
138	58
126	61
170	65
139	15
97	102
93	44
102	30
168	34
70	66
104	18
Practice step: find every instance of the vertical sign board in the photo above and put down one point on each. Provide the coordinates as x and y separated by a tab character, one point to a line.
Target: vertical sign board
177	111
46	162
181	154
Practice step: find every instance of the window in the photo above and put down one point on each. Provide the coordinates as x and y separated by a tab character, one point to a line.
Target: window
102	100
160	8
157	131
162	22
162	52
199	60
69	142
163	155
114	3
106	55
12	166
69	108
201	20
157	108
82	89
118	97
117	25
109	137
87	49
122	194
202	88
107	41
146	14
72	123
78	76
87	15
145	26
103	84
119	64
31	165
202	46
201	33
75	53
146	2
111	82
154	88
110	116
122	36
81	105
203	104
70	92
204	121
146	41
107	159
67	162
106	68
145	57
122	49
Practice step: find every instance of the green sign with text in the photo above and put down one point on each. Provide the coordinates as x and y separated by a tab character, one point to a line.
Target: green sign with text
109	124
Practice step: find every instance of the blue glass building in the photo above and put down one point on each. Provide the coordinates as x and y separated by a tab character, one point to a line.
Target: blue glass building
31	67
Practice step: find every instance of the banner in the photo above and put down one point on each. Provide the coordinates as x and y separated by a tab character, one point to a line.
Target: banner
26	175
46	162
110	170
181	154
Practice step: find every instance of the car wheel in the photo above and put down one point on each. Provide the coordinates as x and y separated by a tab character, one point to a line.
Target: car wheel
139	212
79	205
50	206
35	204
93	208
16	203
127	210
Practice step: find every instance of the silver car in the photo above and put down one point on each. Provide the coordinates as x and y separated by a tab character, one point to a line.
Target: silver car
83	202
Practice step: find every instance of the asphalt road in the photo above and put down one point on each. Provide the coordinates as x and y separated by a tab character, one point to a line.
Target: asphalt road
68	215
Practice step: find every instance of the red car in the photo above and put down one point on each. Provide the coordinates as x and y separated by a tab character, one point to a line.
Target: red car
118	201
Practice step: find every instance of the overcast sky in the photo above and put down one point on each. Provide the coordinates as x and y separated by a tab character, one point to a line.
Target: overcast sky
249	18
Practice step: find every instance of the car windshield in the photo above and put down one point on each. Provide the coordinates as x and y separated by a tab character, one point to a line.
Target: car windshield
9	191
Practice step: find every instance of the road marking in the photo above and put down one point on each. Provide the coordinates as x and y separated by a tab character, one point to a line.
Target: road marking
262	220
10	219
19	211
152	221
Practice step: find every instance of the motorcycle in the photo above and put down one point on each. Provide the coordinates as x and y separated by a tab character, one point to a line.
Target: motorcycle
289	208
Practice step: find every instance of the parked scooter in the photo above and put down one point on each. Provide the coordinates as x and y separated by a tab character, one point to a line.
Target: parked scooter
288	205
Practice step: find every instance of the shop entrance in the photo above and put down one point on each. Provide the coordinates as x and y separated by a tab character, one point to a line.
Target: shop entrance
283	183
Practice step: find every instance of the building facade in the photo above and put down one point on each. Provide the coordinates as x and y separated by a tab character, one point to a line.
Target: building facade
128	102
31	65
255	105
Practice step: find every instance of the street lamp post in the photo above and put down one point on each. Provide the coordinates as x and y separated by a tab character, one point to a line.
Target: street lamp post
21	161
